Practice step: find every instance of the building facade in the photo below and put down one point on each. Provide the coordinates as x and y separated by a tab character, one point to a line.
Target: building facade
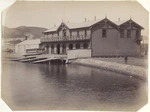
25	45
102	37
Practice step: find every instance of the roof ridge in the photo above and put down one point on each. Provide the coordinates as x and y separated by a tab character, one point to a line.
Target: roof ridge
83	24
84	21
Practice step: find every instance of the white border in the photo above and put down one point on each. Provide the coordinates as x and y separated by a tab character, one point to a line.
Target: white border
6	3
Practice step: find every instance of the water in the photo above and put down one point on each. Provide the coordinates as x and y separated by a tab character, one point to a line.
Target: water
69	87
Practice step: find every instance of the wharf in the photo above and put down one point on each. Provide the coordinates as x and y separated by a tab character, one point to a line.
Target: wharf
33	59
23	58
42	58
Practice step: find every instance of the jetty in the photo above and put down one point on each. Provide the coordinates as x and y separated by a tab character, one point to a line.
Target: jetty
43	58
33	59
23	58
50	59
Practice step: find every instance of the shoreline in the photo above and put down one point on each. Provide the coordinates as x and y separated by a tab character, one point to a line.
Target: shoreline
130	70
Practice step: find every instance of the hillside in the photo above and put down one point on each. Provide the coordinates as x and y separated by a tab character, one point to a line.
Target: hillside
19	33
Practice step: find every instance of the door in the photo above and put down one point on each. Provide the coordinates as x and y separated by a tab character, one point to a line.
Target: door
58	49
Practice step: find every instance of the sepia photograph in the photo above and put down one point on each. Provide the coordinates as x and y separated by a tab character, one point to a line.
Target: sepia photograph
74	56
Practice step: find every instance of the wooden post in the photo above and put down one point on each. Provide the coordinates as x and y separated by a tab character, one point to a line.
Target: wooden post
55	49
61	49
49	49
67	48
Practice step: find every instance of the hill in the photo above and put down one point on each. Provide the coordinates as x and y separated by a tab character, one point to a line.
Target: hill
18	34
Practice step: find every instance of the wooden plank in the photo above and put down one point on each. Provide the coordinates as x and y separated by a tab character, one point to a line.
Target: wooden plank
32	59
22	58
40	61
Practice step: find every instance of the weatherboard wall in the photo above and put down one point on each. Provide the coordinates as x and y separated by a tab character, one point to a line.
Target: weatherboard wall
113	44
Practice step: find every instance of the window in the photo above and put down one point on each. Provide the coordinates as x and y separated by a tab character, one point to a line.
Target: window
85	33
58	48
128	33
104	33
77	46
70	46
122	33
137	34
85	45
64	32
78	33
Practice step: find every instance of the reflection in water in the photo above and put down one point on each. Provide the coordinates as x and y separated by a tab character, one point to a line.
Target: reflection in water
40	86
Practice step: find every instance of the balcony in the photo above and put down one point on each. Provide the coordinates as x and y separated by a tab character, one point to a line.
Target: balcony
65	39
138	40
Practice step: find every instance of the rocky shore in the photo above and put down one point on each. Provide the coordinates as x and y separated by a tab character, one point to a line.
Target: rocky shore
131	70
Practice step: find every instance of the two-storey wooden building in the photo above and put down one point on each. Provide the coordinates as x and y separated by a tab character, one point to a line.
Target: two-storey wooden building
102	37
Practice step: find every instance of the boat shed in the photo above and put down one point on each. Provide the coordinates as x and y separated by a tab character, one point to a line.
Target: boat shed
25	45
101	37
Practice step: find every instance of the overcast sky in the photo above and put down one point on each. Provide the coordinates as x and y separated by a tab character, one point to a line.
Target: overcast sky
47	14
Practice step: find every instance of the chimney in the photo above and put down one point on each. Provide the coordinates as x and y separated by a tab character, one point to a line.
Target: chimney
85	19
118	19
95	18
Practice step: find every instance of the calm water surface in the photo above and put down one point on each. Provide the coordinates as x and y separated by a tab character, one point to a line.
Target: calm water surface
69	87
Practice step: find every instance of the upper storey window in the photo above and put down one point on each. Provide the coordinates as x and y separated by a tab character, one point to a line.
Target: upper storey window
78	33
122	33
64	32
104	33
85	32
137	34
128	33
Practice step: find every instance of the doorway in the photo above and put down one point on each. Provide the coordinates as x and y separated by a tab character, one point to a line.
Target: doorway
58	49
63	49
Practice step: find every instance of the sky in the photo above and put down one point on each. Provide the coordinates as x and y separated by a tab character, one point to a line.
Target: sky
47	14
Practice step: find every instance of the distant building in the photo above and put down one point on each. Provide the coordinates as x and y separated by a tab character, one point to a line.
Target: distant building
101	37
8	47
25	45
144	45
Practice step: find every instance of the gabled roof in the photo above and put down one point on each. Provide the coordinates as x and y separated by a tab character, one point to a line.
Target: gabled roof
82	24
107	20
132	22
89	24
28	42
51	29
74	25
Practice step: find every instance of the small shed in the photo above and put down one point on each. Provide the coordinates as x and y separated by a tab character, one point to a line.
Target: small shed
27	44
